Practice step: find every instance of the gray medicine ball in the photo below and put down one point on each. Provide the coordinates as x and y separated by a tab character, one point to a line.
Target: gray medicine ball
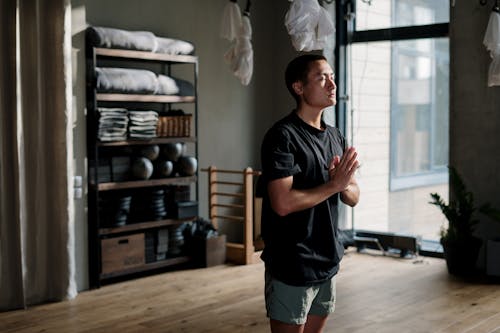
187	165
150	152
172	151
164	168
142	168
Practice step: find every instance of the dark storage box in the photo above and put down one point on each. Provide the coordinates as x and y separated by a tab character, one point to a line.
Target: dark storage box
185	209
103	171
182	193
492	254
120	168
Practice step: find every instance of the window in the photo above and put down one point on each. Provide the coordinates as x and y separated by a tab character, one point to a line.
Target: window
381	14
395	55
419	112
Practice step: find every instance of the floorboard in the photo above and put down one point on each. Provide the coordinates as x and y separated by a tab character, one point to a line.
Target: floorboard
375	293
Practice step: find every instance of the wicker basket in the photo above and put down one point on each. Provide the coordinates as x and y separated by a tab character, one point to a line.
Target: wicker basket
174	126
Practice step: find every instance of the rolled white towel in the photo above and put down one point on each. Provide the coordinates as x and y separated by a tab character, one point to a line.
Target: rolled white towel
122	39
173	46
126	80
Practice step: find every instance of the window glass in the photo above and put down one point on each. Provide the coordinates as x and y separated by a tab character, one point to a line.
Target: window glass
382	14
399	125
419	110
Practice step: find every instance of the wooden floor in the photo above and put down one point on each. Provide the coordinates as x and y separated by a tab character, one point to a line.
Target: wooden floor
375	294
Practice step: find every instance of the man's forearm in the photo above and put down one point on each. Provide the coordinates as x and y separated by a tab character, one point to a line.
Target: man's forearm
288	200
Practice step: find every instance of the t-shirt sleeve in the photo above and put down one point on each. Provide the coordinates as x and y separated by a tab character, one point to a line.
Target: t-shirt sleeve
278	159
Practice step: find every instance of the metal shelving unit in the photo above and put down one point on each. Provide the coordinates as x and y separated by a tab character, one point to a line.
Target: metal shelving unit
98	233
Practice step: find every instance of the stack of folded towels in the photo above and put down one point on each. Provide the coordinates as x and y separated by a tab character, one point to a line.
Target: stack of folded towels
113	124
143	124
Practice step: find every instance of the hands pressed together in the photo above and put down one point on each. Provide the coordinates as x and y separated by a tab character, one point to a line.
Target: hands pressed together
342	170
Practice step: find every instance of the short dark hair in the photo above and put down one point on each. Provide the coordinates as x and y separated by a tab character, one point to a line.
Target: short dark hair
298	69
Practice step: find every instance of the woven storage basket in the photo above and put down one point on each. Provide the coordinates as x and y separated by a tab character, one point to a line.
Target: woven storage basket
176	126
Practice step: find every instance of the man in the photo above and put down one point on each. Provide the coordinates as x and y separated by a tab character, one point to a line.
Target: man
306	168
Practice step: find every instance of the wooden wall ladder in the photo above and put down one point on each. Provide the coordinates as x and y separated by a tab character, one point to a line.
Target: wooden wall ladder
231	198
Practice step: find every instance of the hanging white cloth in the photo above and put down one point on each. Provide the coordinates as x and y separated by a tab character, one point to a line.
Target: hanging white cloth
492	42
231	21
309	25
240	55
325	29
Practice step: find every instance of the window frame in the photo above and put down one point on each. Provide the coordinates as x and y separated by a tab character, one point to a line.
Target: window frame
346	34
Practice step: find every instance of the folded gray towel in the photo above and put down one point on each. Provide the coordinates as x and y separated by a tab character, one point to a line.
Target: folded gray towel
113	123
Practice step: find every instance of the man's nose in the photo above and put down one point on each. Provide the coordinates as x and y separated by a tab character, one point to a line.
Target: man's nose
331	83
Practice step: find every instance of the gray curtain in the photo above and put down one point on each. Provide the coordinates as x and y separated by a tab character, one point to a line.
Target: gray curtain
36	205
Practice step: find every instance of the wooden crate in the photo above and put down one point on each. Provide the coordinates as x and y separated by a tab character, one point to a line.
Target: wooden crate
121	253
210	251
215	251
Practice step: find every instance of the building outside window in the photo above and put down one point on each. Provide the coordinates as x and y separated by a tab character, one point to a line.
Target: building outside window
397	113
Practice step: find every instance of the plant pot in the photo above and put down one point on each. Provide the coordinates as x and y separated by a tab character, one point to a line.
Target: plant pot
492	255
461	256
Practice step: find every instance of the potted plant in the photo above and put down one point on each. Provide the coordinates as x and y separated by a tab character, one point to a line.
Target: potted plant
460	246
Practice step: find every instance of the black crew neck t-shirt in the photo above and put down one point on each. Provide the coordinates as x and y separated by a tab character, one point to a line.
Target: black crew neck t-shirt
301	248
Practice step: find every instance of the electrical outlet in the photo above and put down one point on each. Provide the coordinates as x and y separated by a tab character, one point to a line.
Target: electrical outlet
77	181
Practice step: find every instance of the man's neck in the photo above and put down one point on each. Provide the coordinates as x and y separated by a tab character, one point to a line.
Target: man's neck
310	116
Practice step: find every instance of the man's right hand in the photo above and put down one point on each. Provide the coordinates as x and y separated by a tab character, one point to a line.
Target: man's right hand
341	170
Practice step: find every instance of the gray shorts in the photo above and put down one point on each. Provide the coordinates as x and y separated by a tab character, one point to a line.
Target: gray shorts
292	304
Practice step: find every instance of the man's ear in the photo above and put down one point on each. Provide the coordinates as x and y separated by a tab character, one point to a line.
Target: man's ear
297	87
